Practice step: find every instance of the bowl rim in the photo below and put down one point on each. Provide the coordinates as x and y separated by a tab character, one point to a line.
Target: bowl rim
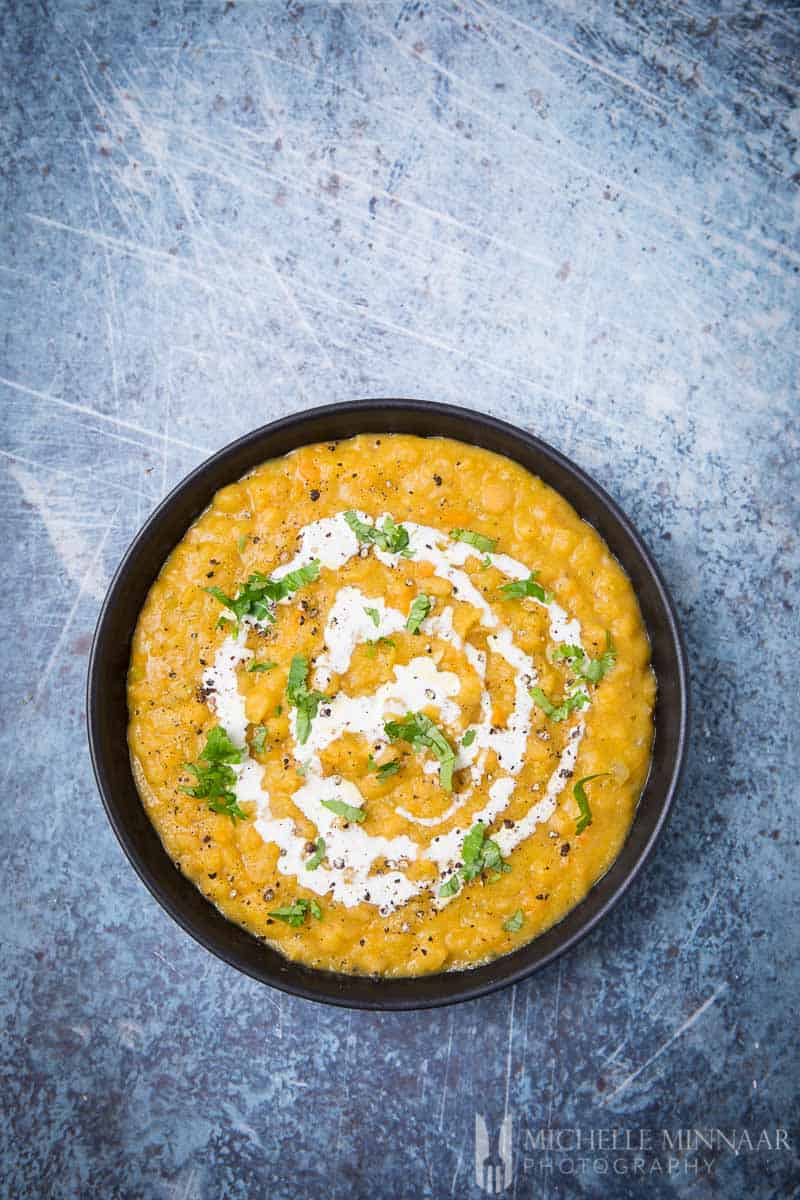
293	979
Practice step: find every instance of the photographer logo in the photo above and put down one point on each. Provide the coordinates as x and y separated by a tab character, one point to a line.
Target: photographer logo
494	1170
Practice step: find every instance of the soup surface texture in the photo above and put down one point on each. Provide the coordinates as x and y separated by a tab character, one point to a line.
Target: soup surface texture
391	705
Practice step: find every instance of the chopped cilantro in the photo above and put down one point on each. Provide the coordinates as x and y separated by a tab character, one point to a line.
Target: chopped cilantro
479	855
216	780
422	733
418	612
591	670
256	597
373	615
348	811
373	643
469	737
318	855
261	666
568	653
294	914
306	702
514	922
387	769
392	538
526	587
485	544
559	712
259	738
579	792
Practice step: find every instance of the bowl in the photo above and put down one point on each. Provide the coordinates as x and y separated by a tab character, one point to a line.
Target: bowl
108	713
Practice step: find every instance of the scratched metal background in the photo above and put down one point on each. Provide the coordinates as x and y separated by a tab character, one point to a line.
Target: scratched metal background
579	215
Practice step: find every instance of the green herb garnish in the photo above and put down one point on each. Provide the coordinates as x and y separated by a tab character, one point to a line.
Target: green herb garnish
422	733
259	738
318	855
306	702
261	666
391	538
216	780
469	737
591	670
373	615
514	922
559	712
260	593
418	612
485	544
579	792
479	854
387	769
372	645
526	587
348	811
294	914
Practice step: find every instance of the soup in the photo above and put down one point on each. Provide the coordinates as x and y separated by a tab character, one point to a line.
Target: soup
391	705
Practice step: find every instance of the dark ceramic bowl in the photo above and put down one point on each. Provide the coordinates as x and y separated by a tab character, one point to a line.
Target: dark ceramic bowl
108	713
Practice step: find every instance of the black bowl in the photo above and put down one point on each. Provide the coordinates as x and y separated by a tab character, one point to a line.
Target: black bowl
108	712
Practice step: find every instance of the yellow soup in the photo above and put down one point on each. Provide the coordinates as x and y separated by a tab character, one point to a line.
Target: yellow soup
391	705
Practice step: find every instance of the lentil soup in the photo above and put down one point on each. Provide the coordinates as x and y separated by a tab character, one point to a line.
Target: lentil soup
391	706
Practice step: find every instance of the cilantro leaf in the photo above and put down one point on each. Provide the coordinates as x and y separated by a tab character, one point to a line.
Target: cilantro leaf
526	587
363	531
373	615
318	855
559	712
372	645
418	612
579	792
591	670
294	914
485	544
217	779
219	748
514	922
387	769
256	597
259	738
596	668
392	538
479	855
423	734
568	653
292	581
306	702
261	666
348	811
469	737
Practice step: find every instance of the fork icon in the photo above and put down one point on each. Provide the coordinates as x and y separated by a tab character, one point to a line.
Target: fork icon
493	1156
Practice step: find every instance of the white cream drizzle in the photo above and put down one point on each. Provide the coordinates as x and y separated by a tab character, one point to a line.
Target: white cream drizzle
350	852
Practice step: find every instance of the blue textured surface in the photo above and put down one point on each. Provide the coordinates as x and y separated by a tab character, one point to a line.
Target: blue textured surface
582	217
